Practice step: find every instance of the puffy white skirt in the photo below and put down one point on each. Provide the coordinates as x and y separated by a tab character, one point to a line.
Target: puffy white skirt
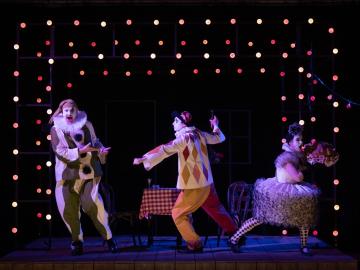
285	204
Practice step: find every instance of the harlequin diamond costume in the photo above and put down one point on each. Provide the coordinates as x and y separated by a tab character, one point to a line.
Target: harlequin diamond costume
194	177
78	174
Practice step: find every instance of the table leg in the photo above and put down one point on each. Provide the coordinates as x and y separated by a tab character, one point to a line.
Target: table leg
150	240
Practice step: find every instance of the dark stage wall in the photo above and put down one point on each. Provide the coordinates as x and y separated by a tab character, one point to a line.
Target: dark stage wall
133	115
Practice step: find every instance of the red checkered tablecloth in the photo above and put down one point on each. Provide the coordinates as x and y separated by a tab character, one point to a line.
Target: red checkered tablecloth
158	201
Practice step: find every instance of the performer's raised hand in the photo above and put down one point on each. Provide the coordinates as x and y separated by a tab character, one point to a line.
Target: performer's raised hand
138	161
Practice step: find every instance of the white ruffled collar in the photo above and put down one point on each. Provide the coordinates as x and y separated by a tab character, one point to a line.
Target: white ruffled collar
80	121
184	130
286	147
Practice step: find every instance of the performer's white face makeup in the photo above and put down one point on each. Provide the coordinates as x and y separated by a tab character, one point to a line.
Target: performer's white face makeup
296	143
177	124
69	113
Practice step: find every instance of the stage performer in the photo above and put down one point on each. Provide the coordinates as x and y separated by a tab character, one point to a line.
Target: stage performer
286	199
78	154
195	178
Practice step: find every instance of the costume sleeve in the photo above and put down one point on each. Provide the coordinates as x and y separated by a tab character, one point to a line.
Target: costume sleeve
215	137
62	150
163	151
95	142
285	158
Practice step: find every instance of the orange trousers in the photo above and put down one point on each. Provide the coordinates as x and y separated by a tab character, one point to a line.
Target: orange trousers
188	201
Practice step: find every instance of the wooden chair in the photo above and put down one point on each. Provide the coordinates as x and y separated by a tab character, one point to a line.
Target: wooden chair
239	201
130	217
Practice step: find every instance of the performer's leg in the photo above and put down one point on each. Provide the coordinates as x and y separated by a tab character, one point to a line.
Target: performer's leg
247	226
93	206
304	233
188	201
217	212
68	204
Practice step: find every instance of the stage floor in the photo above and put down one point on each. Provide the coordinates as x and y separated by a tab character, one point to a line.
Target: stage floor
260	252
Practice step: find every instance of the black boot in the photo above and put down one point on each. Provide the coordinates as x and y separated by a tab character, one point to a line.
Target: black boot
235	247
190	250
112	246
76	248
306	251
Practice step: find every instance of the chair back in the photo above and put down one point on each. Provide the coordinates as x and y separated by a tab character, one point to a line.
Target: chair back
107	193
239	199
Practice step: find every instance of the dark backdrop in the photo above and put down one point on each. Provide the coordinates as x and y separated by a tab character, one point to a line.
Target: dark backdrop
133	115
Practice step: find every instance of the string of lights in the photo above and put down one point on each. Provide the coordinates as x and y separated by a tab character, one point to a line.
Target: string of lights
349	102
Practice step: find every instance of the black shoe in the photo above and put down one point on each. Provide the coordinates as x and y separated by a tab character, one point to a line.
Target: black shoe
112	246
187	250
236	248
76	248
306	251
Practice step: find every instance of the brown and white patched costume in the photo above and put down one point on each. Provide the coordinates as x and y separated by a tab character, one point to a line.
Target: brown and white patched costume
78	175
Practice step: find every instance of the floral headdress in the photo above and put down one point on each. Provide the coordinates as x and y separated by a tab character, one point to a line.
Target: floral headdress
320	152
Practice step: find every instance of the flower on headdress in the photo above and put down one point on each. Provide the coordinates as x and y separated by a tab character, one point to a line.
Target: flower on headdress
320	152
